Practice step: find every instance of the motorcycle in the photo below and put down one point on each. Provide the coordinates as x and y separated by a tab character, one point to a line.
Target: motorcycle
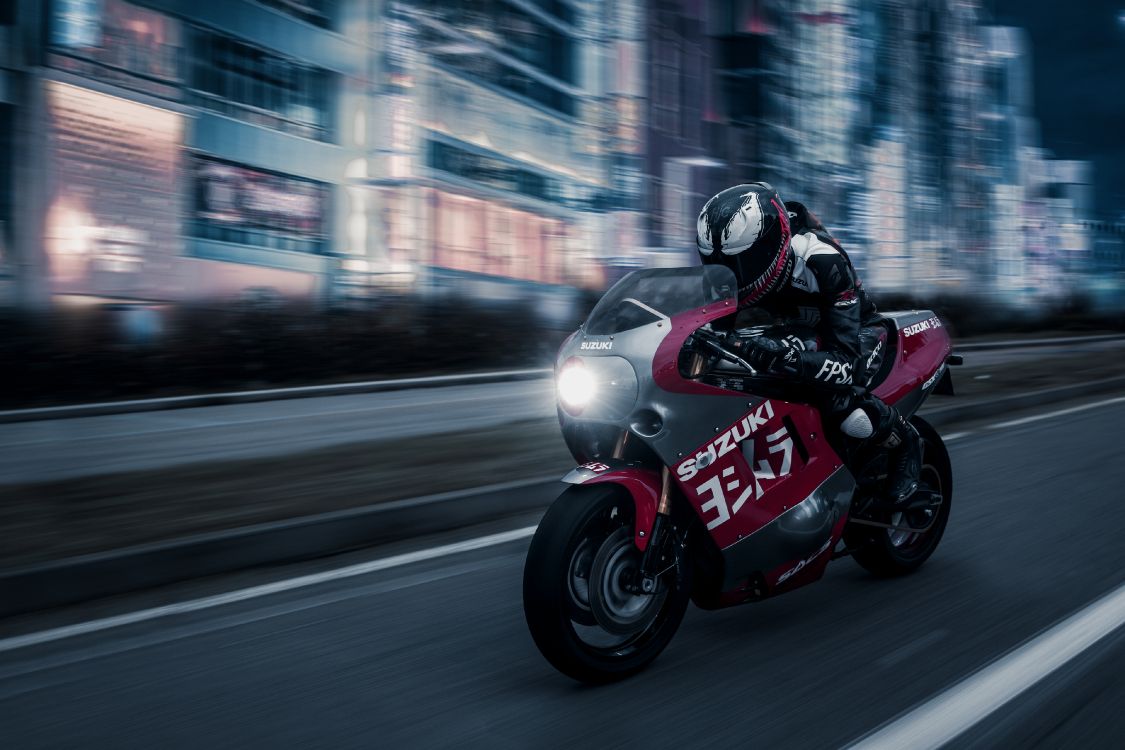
701	480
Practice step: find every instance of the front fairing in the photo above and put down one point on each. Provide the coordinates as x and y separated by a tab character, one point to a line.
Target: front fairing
636	371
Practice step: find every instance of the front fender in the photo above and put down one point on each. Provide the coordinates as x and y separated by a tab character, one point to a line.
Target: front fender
642	484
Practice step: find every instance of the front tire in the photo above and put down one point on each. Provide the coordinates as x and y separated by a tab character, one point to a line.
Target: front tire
578	592
887	552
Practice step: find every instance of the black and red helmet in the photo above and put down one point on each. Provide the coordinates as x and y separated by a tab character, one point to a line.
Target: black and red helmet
746	228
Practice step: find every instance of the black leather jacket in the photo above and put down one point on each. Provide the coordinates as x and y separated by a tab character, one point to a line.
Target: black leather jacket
824	294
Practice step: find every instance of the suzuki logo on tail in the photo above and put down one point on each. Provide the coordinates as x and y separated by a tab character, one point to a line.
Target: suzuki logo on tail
596	345
925	325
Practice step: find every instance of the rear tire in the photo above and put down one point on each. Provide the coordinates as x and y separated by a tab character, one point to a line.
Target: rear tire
888	553
579	558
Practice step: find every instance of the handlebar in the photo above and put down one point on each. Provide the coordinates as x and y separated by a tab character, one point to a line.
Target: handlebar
715	344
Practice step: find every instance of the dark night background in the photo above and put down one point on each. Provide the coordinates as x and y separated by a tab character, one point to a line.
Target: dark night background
1078	54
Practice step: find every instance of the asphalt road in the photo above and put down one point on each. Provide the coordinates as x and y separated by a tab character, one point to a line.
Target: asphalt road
87	446
436	653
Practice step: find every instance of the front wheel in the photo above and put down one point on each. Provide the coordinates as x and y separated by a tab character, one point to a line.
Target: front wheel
581	588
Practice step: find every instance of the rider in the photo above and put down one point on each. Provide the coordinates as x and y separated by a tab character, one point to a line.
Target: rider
786	263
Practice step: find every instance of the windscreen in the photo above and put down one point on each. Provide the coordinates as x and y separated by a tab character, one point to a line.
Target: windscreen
645	297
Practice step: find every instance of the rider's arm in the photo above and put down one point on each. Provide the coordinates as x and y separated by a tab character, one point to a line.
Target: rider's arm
834	362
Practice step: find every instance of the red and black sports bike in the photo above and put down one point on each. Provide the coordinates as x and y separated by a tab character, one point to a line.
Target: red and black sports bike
702	480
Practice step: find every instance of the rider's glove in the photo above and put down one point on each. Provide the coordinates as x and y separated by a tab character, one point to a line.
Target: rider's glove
772	355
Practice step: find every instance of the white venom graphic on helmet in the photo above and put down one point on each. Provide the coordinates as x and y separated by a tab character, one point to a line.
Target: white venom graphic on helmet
740	226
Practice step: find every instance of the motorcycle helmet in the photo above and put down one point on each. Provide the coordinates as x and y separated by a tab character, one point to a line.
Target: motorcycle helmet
746	228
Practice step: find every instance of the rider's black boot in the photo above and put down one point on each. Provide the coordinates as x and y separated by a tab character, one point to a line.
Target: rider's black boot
904	461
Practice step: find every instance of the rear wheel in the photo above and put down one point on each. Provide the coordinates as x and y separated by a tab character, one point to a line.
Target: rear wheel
914	534
581	590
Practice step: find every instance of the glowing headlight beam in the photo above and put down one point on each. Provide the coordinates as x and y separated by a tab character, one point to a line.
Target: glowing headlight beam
576	386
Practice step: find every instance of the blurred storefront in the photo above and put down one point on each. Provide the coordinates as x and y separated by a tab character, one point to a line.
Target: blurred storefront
172	150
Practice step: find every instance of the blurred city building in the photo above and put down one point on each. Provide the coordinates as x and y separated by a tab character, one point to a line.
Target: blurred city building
506	156
1107	263
164	150
173	150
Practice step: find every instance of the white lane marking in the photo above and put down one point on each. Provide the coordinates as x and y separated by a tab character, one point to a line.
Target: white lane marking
957	709
56	660
253	592
955	436
1057	413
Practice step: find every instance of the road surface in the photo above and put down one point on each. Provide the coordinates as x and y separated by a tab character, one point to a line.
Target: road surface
430	649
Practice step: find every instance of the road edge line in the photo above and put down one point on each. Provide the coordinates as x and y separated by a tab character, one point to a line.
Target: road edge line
266	589
958	708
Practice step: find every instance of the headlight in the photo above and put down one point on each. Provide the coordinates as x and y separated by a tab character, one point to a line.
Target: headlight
601	388
577	387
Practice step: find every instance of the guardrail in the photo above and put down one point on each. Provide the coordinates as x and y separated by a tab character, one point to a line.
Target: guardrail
376	386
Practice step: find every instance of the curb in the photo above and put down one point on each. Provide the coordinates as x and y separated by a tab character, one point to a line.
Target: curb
82	578
265	394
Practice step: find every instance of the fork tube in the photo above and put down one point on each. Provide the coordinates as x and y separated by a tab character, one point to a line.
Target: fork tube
619	448
665	505
655	542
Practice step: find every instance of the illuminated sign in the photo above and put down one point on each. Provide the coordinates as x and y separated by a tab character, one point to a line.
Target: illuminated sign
234	196
114	220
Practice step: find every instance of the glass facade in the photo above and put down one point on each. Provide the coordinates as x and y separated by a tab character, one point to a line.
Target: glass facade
316	12
500	45
252	84
118	43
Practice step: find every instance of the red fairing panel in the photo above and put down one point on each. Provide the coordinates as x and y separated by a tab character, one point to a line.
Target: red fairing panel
665	364
922	349
752	472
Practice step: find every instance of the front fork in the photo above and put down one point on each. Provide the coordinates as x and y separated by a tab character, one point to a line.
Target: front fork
650	560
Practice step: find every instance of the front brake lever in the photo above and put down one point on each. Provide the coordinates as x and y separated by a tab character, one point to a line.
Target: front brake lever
723	352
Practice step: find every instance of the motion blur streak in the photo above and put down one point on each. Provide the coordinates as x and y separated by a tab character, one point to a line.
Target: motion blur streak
194	605
949	714
1059	413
